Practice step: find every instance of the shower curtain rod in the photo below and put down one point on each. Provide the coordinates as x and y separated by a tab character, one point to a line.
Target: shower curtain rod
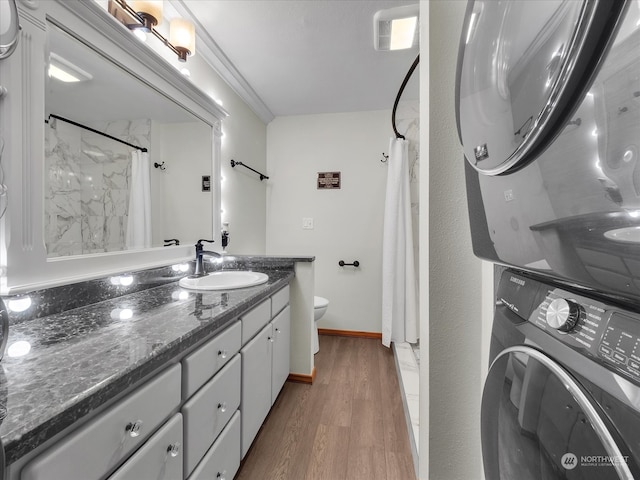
395	105
58	117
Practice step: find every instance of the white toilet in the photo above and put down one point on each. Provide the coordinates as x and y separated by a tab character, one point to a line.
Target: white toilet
320	305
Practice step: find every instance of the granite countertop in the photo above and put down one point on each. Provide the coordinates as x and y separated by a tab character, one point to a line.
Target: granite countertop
82	357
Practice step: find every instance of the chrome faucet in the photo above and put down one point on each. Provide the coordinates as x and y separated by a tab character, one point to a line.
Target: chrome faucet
200	252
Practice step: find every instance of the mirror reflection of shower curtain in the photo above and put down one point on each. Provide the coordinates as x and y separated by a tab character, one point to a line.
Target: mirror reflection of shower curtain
139	217
399	286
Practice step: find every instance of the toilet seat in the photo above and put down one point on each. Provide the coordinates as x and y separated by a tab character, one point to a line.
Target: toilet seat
320	302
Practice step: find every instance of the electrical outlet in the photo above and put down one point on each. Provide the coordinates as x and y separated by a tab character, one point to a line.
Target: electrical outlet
307	223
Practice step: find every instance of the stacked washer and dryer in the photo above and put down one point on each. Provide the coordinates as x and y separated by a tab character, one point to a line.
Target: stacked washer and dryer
548	109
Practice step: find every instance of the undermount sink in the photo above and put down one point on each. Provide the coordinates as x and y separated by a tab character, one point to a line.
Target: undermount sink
224	280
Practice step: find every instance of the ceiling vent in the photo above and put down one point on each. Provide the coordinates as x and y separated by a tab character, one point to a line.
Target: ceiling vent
396	28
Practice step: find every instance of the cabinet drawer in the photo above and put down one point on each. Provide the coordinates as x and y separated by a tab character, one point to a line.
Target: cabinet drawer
160	458
279	300
223	458
208	411
253	321
202	364
97	447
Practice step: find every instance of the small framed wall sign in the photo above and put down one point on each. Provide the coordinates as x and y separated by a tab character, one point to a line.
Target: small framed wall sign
206	183
328	180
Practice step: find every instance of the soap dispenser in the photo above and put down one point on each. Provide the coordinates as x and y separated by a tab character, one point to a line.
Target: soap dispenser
225	236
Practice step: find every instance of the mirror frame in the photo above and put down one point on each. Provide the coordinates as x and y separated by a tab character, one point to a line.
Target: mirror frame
23	258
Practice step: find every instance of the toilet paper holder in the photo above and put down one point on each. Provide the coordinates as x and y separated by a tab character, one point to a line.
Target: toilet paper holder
355	263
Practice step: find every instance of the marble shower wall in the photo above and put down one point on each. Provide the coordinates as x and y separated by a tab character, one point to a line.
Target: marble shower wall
87	185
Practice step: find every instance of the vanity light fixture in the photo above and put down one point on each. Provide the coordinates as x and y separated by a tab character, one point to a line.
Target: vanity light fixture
146	15
396	28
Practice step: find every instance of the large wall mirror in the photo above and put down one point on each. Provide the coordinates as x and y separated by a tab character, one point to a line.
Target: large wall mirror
102	194
83	204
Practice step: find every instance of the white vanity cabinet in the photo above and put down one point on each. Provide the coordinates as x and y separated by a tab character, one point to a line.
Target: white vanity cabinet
196	419
265	368
96	448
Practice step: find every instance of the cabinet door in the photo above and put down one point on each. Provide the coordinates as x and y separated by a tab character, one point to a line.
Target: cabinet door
256	385
281	348
208	411
222	460
160	458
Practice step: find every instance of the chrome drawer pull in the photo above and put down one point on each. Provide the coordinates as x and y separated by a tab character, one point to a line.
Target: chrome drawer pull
222	407
223	353
221	476
134	428
174	449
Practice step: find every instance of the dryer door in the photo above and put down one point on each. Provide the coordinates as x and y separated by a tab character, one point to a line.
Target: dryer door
522	67
538	423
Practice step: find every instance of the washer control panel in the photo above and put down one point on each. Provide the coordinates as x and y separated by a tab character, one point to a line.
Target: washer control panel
601	331
573	319
620	343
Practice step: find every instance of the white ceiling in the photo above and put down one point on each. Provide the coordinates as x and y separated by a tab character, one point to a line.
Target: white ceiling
291	57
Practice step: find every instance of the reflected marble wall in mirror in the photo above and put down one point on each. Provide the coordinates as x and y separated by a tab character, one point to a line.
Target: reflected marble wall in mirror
97	199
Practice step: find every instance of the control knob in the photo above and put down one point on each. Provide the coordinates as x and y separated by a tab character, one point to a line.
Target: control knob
563	314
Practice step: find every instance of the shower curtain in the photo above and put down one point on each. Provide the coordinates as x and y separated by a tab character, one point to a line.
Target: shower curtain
139	218
399	300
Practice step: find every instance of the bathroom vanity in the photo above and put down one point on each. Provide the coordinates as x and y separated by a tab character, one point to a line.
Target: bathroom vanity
163	383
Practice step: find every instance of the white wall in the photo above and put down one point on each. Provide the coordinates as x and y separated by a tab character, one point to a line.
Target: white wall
451	277
347	222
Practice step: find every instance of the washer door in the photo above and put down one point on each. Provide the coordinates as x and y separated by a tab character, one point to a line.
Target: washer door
538	423
522	67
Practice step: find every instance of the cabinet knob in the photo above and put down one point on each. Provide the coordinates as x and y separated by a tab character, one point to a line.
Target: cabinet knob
277	330
134	428
222	475
174	449
223	353
271	339
222	407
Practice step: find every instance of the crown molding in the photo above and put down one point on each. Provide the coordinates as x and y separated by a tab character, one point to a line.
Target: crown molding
217	59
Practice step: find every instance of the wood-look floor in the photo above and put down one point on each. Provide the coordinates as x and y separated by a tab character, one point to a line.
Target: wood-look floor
348	425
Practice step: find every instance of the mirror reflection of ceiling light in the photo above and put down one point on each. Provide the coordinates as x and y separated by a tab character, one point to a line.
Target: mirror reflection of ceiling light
65	71
121	314
396	28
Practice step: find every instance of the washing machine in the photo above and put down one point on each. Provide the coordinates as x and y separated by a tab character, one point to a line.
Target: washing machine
548	114
562	396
